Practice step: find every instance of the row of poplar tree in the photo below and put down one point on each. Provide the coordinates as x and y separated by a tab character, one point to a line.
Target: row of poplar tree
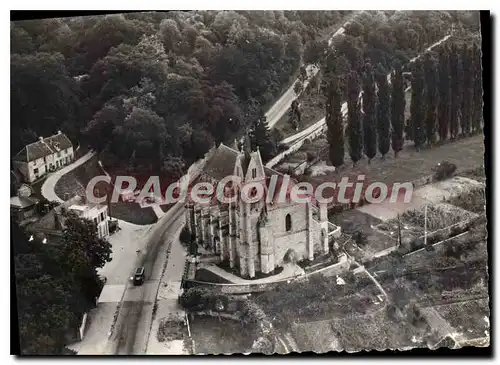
446	102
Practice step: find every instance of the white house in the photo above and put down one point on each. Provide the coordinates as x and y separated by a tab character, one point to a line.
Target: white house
95	212
53	224
44	155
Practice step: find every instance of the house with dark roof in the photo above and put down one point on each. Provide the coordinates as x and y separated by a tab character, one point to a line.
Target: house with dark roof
43	156
22	207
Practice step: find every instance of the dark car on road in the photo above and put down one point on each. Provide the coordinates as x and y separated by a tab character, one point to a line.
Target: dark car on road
139	276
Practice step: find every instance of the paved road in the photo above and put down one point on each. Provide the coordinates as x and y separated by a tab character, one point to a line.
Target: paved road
134	318
294	141
135	314
282	105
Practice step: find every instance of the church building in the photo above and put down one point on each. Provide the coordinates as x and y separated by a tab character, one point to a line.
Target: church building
258	236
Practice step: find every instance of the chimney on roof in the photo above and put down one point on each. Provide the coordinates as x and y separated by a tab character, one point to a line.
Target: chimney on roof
40	138
58	132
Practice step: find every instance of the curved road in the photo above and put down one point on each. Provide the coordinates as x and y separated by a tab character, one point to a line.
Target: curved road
50	183
131	328
294	141
133	322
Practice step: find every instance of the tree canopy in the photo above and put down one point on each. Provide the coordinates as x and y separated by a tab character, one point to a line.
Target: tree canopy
187	78
56	283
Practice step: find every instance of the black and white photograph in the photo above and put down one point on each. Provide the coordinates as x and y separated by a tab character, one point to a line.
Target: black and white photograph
216	182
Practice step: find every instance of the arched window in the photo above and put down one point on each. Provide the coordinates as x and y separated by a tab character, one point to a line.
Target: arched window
288	223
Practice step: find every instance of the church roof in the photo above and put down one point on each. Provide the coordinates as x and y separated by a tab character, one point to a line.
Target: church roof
222	162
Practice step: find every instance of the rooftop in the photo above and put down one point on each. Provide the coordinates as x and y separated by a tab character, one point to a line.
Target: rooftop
51	221
44	147
22	202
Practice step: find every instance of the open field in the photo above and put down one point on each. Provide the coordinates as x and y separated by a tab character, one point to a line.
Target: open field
476	312
75	181
220	336
473	201
466	154
413	221
312	299
373	241
376	331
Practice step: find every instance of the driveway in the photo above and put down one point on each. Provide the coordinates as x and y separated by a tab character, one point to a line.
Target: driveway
51	181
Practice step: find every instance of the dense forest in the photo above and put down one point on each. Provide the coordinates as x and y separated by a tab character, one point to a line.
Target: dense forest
154	91
56	284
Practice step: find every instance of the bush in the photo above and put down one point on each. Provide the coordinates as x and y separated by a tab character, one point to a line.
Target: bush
251	313
185	236
473	200
282	147
113	226
278	135
444	170
311	156
196	299
359	238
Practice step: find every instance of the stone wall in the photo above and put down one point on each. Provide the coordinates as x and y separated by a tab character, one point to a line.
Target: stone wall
218	288
441	234
296	239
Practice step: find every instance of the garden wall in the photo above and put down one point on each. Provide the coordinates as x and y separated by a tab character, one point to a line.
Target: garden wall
220	288
442	234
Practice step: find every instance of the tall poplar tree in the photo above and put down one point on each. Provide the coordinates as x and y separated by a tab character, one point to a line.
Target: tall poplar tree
418	101
354	127
477	103
370	113
398	104
467	90
261	137
444	107
456	90
383	111
431	83
335	124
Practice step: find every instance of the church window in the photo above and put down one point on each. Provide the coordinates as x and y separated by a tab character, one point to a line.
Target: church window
288	223
254	173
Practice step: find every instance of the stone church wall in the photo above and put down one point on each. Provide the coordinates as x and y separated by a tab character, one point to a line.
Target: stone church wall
318	243
296	239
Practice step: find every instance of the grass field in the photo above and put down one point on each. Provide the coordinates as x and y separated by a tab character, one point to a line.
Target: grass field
473	201
466	154
220	336
477	313
353	221
319	298
207	275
